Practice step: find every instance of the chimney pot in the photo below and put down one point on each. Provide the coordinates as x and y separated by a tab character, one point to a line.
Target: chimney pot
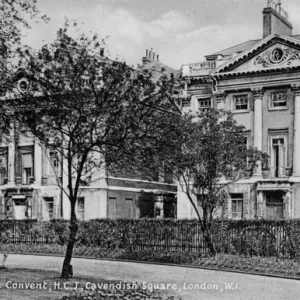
276	20
146	52
157	57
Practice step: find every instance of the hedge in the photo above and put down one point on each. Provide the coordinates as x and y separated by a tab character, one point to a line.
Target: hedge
279	238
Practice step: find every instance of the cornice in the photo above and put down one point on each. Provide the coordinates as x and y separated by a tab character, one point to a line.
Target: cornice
258	48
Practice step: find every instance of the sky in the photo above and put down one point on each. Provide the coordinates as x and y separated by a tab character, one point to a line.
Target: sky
180	31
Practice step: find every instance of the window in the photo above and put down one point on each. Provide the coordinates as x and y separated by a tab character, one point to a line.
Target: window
240	102
204	104
112	208
279	99
201	199
3	168
278	156
80	208
128	208
237	206
27	166
49	208
54	164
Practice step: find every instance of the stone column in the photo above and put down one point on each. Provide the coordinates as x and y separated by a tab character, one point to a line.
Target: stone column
11	157
296	153
221	98
37	163
258	126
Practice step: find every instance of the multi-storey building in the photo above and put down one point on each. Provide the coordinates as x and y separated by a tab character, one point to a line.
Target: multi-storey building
29	174
259	82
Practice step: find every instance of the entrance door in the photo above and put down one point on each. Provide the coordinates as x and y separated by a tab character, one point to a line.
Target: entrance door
275	205
274	211
20	210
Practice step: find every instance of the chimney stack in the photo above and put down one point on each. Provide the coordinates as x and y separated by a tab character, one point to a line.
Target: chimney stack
276	20
150	56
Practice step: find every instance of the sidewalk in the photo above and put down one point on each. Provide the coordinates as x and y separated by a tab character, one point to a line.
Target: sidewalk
191	284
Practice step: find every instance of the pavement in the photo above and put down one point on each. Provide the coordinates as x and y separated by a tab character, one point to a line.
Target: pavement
189	283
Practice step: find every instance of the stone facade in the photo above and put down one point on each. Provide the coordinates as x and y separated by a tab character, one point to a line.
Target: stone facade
258	81
29	178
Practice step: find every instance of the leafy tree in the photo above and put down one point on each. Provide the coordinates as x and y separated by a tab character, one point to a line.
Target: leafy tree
15	16
92	111
208	152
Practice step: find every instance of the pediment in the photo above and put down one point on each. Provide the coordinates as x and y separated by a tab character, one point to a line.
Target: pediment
17	85
270	54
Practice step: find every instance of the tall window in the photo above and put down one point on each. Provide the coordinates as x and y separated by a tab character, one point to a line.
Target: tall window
128	208
49	208
204	104
3	168
236	206
27	166
54	164
279	99
80	208
278	156
240	102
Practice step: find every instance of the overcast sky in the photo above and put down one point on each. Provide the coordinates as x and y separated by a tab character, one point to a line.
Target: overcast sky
180	31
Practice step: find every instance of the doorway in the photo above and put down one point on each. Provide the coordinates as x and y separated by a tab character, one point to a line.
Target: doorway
274	204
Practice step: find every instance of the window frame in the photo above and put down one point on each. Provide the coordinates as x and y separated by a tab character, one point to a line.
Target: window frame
80	212
271	100
234	102
237	197
47	201
204	109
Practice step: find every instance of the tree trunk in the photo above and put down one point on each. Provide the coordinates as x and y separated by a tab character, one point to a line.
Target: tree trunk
209	243
72	239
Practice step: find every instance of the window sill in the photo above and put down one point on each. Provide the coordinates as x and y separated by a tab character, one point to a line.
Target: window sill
241	111
278	108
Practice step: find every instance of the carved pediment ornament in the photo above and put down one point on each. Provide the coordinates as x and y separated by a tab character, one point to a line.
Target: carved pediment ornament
277	56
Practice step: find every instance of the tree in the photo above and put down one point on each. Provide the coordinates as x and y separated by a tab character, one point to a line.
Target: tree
92	111
207	152
15	15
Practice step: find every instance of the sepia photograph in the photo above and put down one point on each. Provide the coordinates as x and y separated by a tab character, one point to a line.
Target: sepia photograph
149	149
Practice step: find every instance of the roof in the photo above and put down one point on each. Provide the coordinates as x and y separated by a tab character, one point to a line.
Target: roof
157	69
243	47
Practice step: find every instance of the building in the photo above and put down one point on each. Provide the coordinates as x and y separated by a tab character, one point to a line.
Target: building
259	82
29	174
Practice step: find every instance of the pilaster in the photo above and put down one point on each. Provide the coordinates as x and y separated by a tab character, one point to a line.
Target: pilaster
258	126
220	99
296	150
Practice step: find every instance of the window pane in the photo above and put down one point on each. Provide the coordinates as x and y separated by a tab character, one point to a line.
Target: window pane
204	104
279	99
241	102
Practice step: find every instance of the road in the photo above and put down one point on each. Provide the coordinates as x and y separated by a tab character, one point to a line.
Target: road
189	283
